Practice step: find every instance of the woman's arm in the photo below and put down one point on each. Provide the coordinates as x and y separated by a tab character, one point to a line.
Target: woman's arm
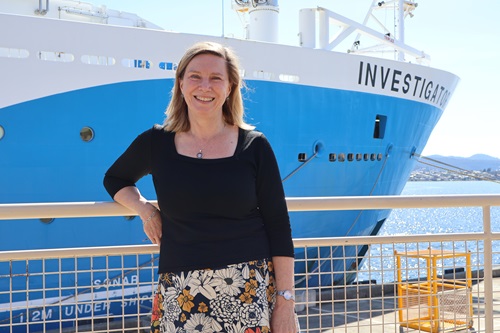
120	181
131	198
272	206
283	317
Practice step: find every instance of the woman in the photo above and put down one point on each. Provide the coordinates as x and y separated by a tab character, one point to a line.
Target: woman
226	252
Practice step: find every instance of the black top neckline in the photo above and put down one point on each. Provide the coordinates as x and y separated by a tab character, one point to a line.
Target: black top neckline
239	144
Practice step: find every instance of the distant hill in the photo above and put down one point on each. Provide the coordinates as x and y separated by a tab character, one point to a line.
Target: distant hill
478	162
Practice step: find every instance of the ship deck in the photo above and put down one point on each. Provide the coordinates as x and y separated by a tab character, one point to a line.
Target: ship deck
434	282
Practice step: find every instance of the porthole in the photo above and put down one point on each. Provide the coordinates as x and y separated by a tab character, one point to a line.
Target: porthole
332	157
341	157
373	157
358	157
87	134
47	220
2	132
350	157
379	157
366	156
302	157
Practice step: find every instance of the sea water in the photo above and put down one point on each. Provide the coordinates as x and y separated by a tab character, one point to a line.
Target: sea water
442	220
434	221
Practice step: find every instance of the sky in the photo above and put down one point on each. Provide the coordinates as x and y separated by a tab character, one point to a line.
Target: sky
461	37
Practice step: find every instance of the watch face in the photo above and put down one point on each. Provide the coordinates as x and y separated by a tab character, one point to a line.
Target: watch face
287	294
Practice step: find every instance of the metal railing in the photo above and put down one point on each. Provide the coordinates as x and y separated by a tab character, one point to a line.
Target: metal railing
103	289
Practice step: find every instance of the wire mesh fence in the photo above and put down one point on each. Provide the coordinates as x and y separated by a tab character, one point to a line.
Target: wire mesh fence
381	287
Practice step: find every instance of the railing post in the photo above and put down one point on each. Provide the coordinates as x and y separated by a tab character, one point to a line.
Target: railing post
488	269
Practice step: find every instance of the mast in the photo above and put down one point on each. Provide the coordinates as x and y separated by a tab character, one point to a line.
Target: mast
262	24
401	28
316	23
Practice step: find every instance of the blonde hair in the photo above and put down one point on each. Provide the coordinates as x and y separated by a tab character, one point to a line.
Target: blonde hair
177	119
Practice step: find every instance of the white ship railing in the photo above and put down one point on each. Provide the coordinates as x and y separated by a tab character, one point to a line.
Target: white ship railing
376	302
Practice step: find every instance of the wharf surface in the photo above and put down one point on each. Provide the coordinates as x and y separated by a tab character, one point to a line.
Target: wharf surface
379	313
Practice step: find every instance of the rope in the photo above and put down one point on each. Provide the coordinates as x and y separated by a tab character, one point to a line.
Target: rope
322	262
371	193
459	171
301	166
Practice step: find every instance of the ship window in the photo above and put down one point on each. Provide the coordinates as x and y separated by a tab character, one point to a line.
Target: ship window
6	52
350	157
136	63
358	157
379	157
168	66
87	134
372	157
98	60
302	157
341	157
288	78
366	156
379	131
332	157
56	56
263	75
2	132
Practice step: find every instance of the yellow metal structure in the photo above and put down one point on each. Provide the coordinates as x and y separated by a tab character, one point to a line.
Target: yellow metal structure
435	304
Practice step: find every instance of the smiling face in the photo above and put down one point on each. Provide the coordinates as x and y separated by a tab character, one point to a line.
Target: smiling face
205	85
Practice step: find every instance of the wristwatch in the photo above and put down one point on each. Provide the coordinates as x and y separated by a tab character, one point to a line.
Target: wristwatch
286	294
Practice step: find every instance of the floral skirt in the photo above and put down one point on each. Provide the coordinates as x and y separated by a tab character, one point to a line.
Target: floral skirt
235	298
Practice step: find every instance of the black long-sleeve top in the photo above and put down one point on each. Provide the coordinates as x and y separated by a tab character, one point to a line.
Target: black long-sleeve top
215	212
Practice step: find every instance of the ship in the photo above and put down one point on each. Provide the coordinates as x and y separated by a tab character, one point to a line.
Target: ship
80	81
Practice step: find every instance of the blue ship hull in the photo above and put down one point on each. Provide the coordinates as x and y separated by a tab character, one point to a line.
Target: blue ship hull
49	163
348	135
56	170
